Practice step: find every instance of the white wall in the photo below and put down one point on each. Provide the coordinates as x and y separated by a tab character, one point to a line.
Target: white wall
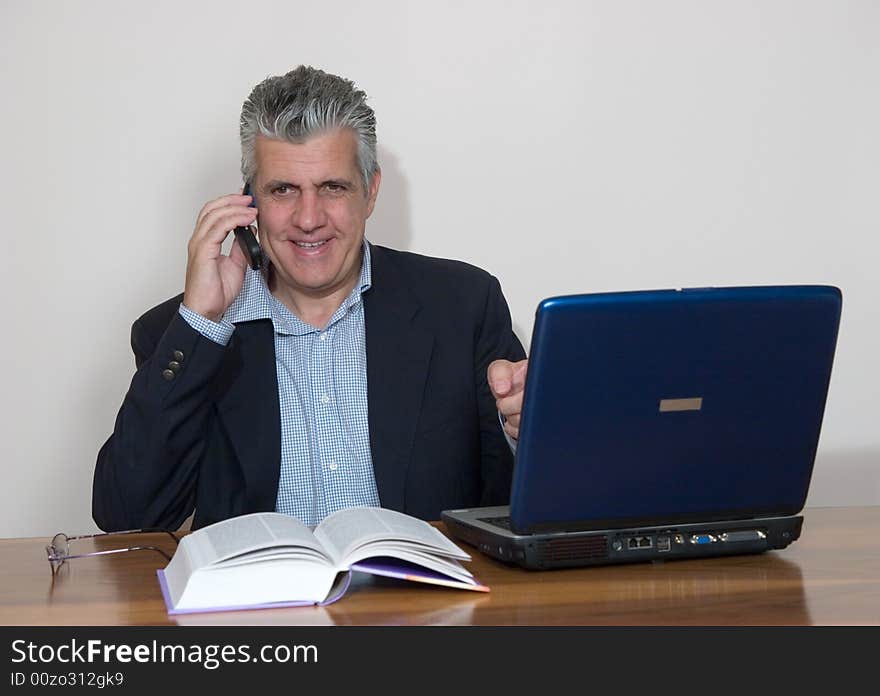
568	146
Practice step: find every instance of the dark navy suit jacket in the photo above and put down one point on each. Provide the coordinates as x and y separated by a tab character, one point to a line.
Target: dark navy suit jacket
209	439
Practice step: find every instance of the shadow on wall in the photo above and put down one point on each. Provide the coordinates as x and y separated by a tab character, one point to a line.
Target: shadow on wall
524	338
846	477
391	224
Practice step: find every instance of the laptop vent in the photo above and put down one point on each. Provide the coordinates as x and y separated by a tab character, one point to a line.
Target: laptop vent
573	549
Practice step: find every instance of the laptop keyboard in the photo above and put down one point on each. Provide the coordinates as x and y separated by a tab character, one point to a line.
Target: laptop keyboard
503	522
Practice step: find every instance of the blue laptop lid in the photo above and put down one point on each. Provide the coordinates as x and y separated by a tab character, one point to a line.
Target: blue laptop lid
668	406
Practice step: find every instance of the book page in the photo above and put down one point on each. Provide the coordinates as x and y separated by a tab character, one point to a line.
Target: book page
347	531
256	584
239	536
282	553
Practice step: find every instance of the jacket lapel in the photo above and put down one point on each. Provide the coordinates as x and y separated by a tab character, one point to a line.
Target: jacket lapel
398	357
248	406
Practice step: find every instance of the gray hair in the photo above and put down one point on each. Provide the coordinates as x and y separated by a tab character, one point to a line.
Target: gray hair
303	103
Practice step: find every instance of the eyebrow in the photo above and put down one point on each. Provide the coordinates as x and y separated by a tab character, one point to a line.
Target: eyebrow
269	185
338	182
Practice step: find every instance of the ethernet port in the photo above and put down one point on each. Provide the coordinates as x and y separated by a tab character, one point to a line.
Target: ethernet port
645	542
632	543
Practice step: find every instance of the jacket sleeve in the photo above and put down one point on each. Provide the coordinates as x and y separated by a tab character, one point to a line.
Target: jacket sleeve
495	341
147	471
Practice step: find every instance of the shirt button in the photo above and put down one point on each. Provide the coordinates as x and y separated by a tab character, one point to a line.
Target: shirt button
178	356
168	375
325	399
174	366
333	466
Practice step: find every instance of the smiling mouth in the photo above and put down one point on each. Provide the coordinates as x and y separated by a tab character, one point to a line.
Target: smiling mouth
311	245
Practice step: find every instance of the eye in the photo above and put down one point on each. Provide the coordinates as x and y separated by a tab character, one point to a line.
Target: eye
281	190
335	188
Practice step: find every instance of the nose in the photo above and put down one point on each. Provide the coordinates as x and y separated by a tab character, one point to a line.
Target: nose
308	215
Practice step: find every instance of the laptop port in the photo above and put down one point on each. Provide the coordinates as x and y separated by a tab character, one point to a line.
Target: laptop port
645	542
664	543
703	539
744	535
632	543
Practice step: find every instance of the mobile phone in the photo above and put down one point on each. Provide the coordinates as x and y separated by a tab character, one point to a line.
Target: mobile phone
246	239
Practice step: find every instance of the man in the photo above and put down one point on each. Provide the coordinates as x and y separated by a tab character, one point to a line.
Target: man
339	373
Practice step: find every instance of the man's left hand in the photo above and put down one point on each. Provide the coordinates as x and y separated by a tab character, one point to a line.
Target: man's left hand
507	381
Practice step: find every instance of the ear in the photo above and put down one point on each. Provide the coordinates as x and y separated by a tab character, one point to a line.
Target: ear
373	193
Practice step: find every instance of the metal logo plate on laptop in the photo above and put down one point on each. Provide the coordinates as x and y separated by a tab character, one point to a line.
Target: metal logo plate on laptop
691	404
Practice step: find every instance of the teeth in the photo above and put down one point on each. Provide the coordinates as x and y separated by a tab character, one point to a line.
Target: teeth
310	245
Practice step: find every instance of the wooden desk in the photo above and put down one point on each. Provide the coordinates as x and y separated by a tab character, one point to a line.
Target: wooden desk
830	576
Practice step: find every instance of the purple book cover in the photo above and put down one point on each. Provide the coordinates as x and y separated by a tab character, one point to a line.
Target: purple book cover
396	568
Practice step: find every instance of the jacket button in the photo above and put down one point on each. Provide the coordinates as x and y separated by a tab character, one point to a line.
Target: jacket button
174	366
178	356
168	375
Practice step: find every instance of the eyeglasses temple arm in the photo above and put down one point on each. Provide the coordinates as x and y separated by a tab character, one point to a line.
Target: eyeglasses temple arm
105	553
127	531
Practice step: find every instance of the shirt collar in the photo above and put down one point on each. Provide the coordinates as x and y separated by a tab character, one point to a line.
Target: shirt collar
255	301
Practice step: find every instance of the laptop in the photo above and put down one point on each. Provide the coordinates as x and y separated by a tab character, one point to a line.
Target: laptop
664	424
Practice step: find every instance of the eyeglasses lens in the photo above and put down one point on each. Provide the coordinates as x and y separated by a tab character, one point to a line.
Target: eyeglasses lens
59	549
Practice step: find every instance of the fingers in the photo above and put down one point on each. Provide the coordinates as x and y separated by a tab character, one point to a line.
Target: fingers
205	246
510	407
236	255
212	279
506	377
216	225
507	381
500	377
519	374
217	218
236	199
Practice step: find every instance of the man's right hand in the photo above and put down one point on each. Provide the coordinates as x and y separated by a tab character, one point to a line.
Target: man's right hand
213	280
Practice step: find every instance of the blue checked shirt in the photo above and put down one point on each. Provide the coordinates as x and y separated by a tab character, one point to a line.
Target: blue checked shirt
326	464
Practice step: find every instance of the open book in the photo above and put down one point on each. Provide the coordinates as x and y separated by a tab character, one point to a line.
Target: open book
267	559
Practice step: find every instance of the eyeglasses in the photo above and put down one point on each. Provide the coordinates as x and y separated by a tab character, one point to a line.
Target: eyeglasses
58	550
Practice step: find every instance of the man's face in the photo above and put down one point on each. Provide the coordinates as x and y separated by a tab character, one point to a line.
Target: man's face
313	211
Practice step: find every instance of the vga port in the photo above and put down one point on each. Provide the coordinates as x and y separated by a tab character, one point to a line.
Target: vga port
703	539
